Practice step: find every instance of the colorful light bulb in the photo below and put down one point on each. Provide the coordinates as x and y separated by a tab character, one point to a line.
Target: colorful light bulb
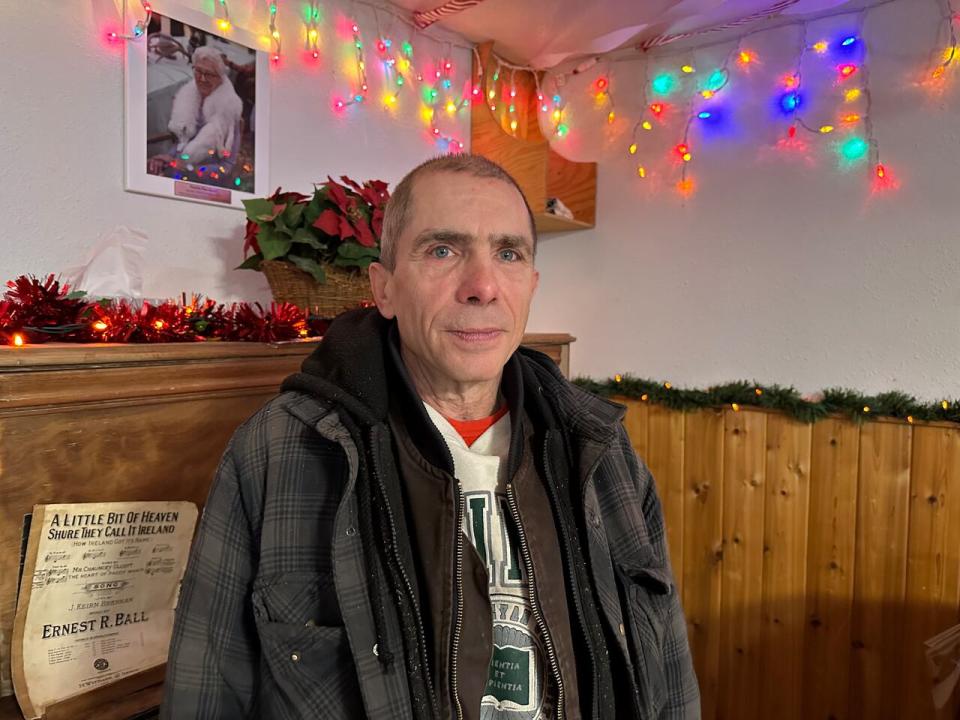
633	148
846	70
821	47
663	84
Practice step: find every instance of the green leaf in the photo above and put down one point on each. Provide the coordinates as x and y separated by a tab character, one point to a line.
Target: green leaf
361	263
305	237
293	214
257	208
280	226
76	294
273	244
310	266
313	210
355	251
251	263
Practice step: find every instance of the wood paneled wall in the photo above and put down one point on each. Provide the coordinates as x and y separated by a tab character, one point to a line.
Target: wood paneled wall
813	560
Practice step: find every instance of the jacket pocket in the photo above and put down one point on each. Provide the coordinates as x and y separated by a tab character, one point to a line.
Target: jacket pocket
308	669
646	591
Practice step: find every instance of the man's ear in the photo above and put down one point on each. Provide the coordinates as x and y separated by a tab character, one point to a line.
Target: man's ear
381	285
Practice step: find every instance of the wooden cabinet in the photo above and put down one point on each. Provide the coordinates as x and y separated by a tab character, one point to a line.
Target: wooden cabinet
97	423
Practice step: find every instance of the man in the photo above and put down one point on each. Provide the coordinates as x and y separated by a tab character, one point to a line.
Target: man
429	522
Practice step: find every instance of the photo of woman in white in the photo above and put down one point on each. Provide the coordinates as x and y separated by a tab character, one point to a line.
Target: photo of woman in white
198	125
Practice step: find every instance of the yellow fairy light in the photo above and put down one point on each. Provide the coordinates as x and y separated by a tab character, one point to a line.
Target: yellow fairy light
687	69
18	340
852	95
426	114
938	73
492	94
866	408
610	116
451	107
910	419
687	157
821	47
950	54
826	129
644	397
758	391
735	406
223	24
707	94
362	65
945	405
642	171
618	378
513	125
556	114
391	99
304	332
276	34
667	385
633	148
158	324
100	325
851	118
313	34
647	125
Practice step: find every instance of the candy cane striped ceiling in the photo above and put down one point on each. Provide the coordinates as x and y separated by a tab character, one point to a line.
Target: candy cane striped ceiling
546	32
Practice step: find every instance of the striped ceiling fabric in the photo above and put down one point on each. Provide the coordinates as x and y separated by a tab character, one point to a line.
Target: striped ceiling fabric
544	33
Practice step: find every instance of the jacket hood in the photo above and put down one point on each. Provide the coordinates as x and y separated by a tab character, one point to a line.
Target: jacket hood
352	365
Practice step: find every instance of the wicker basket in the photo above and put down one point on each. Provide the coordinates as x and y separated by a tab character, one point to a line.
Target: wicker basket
343	289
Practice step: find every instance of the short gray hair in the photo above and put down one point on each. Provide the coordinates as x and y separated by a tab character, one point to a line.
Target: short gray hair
398	209
208	53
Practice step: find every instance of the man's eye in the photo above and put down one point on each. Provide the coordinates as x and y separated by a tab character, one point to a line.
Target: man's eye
441	251
509	255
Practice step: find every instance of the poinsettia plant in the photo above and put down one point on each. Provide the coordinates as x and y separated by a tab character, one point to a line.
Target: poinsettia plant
340	225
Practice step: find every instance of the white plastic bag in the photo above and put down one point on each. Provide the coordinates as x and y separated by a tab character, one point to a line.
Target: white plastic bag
114	267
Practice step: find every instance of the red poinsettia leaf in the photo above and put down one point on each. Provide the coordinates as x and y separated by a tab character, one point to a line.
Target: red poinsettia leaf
351	183
365	236
328	222
376	222
336	193
346	229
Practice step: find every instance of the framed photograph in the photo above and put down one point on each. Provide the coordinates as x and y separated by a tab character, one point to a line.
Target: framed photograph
196	106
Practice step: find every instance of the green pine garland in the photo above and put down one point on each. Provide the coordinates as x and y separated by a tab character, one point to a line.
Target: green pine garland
840	401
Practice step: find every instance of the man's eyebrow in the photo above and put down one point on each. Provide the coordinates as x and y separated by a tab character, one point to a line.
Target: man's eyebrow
434	235
512	242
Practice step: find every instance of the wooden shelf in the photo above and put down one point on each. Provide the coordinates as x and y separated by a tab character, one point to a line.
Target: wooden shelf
526	154
547	223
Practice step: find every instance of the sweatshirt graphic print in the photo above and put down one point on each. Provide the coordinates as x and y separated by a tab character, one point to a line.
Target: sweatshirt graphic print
517	687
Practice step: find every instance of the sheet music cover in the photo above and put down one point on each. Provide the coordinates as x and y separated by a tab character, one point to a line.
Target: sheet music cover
99	587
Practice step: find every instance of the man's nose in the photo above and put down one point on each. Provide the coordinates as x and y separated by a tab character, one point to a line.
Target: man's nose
478	283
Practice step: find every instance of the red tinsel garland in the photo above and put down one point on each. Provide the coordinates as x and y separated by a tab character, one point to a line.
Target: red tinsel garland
36	311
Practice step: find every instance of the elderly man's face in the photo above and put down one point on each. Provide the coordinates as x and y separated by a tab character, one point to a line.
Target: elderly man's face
206	76
463	280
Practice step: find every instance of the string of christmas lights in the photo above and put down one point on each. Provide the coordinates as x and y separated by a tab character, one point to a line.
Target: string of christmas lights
139	28
313	30
274	32
223	16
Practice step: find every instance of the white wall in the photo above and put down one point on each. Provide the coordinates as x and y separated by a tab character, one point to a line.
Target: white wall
61	142
773	271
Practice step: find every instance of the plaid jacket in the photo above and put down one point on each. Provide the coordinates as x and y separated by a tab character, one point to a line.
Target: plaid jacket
274	618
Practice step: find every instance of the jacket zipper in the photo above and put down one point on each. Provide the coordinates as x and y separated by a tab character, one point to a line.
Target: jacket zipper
578	604
534	605
458	603
421	639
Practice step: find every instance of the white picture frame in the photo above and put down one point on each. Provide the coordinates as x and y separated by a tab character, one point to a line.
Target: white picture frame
157	66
